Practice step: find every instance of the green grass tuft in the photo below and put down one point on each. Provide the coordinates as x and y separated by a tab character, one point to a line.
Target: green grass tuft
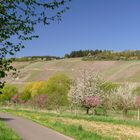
7	133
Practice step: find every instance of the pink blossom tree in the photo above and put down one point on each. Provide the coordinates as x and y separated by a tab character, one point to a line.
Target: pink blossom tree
15	98
91	102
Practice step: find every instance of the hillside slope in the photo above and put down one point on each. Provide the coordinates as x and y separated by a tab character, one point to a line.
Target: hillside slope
118	71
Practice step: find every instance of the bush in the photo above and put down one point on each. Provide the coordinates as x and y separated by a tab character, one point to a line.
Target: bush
15	99
32	90
37	88
57	89
7	93
40	101
25	96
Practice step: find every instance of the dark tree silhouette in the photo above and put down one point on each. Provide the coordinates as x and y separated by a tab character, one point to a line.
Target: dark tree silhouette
18	19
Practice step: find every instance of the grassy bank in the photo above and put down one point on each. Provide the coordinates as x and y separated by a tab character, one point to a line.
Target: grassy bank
85	127
7	133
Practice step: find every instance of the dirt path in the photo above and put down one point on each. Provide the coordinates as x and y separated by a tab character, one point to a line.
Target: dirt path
29	130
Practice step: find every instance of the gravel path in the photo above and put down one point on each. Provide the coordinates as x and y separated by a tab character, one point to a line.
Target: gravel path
29	130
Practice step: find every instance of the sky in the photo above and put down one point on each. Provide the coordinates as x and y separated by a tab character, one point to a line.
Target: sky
89	24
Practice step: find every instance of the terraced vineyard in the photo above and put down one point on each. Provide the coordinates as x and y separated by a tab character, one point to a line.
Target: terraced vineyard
117	71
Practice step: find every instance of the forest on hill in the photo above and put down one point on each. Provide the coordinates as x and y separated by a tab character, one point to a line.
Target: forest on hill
89	55
105	55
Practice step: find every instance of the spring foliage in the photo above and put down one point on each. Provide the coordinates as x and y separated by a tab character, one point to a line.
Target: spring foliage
57	89
33	90
8	92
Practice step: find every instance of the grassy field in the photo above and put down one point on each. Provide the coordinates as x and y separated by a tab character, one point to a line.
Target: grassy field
85	127
118	71
7	133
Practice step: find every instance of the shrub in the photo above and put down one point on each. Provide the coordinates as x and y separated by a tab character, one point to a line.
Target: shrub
32	90
25	96
7	93
41	100
57	89
37	88
15	98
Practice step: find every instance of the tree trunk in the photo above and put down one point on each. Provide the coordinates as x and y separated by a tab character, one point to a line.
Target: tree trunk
125	111
87	110
138	114
105	112
57	109
95	111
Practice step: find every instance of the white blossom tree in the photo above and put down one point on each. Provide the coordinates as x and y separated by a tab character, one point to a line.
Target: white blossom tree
123	98
85	88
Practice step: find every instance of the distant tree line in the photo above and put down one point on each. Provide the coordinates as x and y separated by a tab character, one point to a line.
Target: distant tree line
89	55
105	55
34	58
